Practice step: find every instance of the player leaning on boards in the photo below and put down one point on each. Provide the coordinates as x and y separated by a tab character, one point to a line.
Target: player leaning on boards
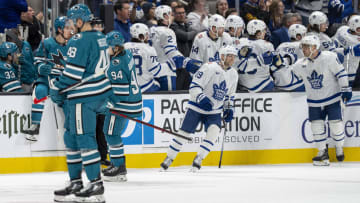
126	99
212	90
86	58
8	75
325	86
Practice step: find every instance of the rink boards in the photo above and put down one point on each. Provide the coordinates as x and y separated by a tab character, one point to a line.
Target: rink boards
268	128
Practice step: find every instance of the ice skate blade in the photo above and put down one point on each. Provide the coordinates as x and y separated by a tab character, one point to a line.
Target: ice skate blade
321	163
95	198
31	138
163	170
194	170
66	199
118	178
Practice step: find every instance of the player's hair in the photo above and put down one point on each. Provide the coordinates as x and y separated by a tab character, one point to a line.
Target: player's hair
120	4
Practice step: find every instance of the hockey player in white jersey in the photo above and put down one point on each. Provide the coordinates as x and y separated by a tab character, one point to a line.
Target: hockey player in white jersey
326	83
163	39
235	26
206	44
254	74
346	40
284	78
318	25
147	65
212	90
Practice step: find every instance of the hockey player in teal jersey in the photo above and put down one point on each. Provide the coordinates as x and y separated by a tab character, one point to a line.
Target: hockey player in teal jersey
8	78
126	100
49	62
86	62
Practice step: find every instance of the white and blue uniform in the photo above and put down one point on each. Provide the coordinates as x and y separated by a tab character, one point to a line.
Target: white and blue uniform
326	43
8	80
254	75
206	49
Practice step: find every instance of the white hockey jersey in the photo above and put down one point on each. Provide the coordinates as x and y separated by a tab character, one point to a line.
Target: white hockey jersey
326	43
323	78
214	82
253	74
163	39
343	39
290	48
146	63
207	50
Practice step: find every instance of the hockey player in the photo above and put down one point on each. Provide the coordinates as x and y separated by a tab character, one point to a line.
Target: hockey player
126	99
49	60
235	26
163	39
86	88
325	86
284	78
148	68
254	74
318	24
346	38
212	89
8	79
206	44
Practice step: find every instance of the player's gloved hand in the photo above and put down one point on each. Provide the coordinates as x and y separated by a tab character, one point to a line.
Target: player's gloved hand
44	69
245	52
353	50
192	65
267	58
290	58
346	94
178	61
228	115
205	102
55	95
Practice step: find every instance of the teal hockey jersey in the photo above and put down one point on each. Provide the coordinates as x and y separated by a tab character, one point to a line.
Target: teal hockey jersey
86	56
8	79
126	98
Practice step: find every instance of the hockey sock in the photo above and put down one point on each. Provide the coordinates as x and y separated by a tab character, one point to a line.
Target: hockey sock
211	135
318	130
337	132
73	160
176	145
36	112
91	162
117	154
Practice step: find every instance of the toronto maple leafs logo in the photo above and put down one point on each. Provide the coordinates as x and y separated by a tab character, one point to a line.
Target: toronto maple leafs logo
220	91
316	80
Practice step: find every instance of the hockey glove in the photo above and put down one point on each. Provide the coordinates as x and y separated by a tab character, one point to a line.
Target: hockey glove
291	58
55	95
267	58
346	94
353	50
44	69
205	102
228	115
244	52
192	65
178	61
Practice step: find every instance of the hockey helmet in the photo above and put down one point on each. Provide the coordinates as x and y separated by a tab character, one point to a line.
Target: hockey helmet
311	40
60	22
354	22
7	48
138	29
254	26
227	50
216	21
115	38
317	18
297	29
234	21
160	12
79	11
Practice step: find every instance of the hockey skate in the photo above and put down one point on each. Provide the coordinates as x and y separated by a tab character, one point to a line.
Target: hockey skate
105	162
196	164
93	192
322	158
115	174
166	163
32	132
340	154
68	193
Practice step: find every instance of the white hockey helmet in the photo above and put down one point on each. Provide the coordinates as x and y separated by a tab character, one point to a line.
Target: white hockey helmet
227	50
217	21
310	40
317	18
254	26
297	29
235	22
138	29
354	22
160	11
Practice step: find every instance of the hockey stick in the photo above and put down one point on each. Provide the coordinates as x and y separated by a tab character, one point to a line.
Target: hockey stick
82	82
222	145
153	126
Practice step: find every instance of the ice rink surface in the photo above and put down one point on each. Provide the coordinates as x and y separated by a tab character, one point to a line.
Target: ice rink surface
231	184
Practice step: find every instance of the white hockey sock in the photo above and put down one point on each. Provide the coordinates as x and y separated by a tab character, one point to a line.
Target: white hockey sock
207	144
337	132
176	144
